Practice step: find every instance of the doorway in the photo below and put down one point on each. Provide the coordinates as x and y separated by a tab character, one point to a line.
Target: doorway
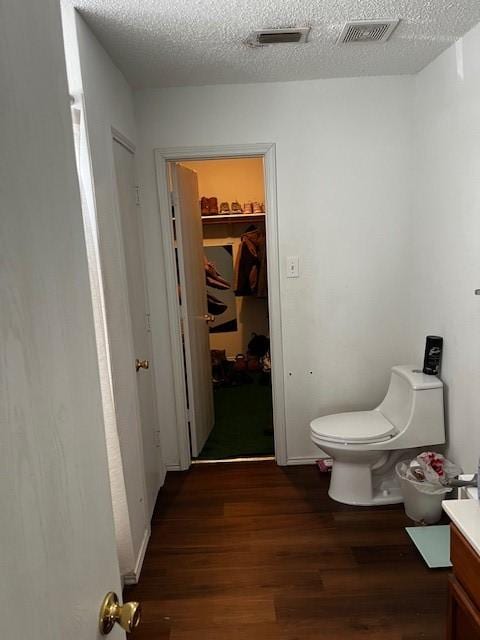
229	197
141	367
220	243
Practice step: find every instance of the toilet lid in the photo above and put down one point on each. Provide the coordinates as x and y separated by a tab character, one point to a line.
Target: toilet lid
357	426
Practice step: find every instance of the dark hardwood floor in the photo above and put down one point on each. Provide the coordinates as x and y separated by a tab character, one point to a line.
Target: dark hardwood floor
252	551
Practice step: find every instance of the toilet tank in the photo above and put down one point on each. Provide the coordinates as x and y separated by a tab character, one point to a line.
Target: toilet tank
414	402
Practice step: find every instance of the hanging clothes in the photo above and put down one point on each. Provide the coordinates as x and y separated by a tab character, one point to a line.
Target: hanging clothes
251	264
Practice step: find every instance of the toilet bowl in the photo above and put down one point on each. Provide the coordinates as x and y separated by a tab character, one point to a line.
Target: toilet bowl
365	445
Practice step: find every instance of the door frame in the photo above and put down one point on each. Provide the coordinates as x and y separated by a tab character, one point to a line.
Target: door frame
176	154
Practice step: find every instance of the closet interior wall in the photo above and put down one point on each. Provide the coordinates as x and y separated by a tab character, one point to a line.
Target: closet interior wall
229	180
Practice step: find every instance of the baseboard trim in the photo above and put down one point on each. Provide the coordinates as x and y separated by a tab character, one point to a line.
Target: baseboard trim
134	576
290	461
302	460
245	459
174	467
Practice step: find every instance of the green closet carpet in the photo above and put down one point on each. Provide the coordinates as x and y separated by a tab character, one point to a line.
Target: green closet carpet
243	423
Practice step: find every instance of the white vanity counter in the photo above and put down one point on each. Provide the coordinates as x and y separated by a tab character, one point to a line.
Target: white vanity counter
465	515
463	621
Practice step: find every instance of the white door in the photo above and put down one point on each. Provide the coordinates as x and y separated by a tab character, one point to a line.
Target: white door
57	544
193	295
137	298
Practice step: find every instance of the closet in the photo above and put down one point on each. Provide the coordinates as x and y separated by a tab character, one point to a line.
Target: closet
231	197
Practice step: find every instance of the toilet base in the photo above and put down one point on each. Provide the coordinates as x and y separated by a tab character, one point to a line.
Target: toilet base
357	484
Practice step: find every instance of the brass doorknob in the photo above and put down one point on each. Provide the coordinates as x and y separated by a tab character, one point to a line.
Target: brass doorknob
127	615
208	317
141	364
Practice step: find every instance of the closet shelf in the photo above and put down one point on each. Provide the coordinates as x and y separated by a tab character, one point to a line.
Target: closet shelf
233	218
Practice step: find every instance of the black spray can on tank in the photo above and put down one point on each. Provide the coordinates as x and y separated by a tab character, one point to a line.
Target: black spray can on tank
433	355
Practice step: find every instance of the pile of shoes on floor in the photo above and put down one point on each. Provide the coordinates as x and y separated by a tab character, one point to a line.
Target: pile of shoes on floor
209	207
245	369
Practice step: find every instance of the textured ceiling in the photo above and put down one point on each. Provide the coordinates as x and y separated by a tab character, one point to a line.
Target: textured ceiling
161	43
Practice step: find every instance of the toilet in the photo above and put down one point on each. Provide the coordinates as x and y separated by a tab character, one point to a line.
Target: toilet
365	445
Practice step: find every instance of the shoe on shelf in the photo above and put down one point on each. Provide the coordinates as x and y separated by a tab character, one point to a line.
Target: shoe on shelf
214	279
204	208
213	206
217	283
224	208
236	208
257	208
215	306
247	207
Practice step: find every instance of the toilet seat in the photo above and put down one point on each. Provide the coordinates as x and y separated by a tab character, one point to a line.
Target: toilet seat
357	427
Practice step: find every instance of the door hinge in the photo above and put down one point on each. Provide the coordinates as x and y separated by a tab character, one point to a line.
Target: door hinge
148	325
137	195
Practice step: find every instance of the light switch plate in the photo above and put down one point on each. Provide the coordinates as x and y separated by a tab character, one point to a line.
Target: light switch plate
292	267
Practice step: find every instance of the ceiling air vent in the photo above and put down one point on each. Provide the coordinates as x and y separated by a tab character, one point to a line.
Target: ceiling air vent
367	31
265	37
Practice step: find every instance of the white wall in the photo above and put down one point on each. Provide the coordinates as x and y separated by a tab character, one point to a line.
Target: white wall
378	195
230	179
108	103
343	170
446	232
